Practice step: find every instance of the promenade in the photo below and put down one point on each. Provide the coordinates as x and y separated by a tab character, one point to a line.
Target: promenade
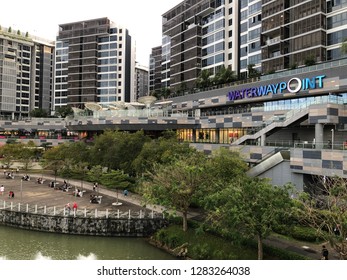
32	193
42	195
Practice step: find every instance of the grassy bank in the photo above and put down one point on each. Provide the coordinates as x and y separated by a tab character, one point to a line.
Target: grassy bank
205	246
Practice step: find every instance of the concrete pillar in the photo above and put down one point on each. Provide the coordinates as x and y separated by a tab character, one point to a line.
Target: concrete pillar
318	133
262	140
217	136
194	136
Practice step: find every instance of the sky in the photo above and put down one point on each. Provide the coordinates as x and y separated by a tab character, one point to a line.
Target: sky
41	18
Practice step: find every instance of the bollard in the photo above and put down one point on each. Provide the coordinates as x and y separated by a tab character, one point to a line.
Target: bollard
27	208
19	207
45	209
96	213
11	205
54	211
118	214
129	214
36	208
85	212
106	213
74	212
152	214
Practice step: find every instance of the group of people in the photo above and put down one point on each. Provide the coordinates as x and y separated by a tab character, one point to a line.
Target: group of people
94	198
9	175
78	193
68	207
40	180
26	177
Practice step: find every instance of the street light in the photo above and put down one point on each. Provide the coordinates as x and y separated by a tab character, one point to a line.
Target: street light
332	138
21	189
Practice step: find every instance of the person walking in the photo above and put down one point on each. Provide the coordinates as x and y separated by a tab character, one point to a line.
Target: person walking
2	190
68	208
325	253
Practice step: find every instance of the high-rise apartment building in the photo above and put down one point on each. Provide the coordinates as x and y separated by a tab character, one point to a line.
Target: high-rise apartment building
94	63
26	67
267	35
141	81
293	33
249	30
202	35
155	70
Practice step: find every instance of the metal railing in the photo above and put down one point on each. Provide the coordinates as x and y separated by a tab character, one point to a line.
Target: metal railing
81	213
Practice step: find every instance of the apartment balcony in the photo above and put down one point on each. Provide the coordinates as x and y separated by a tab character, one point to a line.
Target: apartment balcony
273	41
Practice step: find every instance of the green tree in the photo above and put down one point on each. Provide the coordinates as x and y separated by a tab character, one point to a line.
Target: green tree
53	159
27	153
9	153
63	111
249	208
310	60
252	72
116	150
204	80
9	30
176	185
326	212
164	150
224	76
344	46
38	113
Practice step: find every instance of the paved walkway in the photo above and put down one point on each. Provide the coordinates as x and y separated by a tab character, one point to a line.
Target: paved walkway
42	194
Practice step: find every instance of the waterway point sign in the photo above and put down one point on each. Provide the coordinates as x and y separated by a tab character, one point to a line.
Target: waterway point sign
294	85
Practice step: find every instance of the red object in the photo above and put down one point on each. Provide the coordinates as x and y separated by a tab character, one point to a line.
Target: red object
74	206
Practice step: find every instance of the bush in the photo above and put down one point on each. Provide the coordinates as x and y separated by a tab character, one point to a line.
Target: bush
304	234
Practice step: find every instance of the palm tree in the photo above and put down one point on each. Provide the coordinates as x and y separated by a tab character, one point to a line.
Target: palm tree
204	81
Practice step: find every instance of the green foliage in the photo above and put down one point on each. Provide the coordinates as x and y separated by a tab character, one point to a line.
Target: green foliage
344	46
304	234
159	151
63	111
94	174
115	179
117	150
204	245
176	185
223	76
252	73
249	208
310	60
38	113
204	80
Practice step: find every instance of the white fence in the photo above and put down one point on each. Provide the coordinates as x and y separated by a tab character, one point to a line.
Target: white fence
86	213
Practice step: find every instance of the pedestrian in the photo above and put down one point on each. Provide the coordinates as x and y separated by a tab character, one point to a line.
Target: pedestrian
2	189
68	208
95	186
125	192
74	207
325	253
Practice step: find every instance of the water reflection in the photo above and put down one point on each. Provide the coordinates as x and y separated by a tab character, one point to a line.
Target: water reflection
17	244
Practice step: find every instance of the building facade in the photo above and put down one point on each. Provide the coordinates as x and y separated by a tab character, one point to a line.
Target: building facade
26	67
141	81
94	63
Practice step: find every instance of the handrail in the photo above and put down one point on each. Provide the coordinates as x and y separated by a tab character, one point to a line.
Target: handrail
81	213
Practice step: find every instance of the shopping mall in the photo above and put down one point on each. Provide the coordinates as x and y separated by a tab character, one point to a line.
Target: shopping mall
289	126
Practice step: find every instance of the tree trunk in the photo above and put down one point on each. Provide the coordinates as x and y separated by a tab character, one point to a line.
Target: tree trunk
185	221
260	247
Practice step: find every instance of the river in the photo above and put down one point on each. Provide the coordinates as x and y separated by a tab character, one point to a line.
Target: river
18	244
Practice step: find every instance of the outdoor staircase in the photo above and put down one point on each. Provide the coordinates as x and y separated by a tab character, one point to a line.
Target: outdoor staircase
268	163
274	123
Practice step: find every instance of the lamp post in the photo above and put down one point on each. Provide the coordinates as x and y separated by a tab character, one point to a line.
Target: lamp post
332	138
21	189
